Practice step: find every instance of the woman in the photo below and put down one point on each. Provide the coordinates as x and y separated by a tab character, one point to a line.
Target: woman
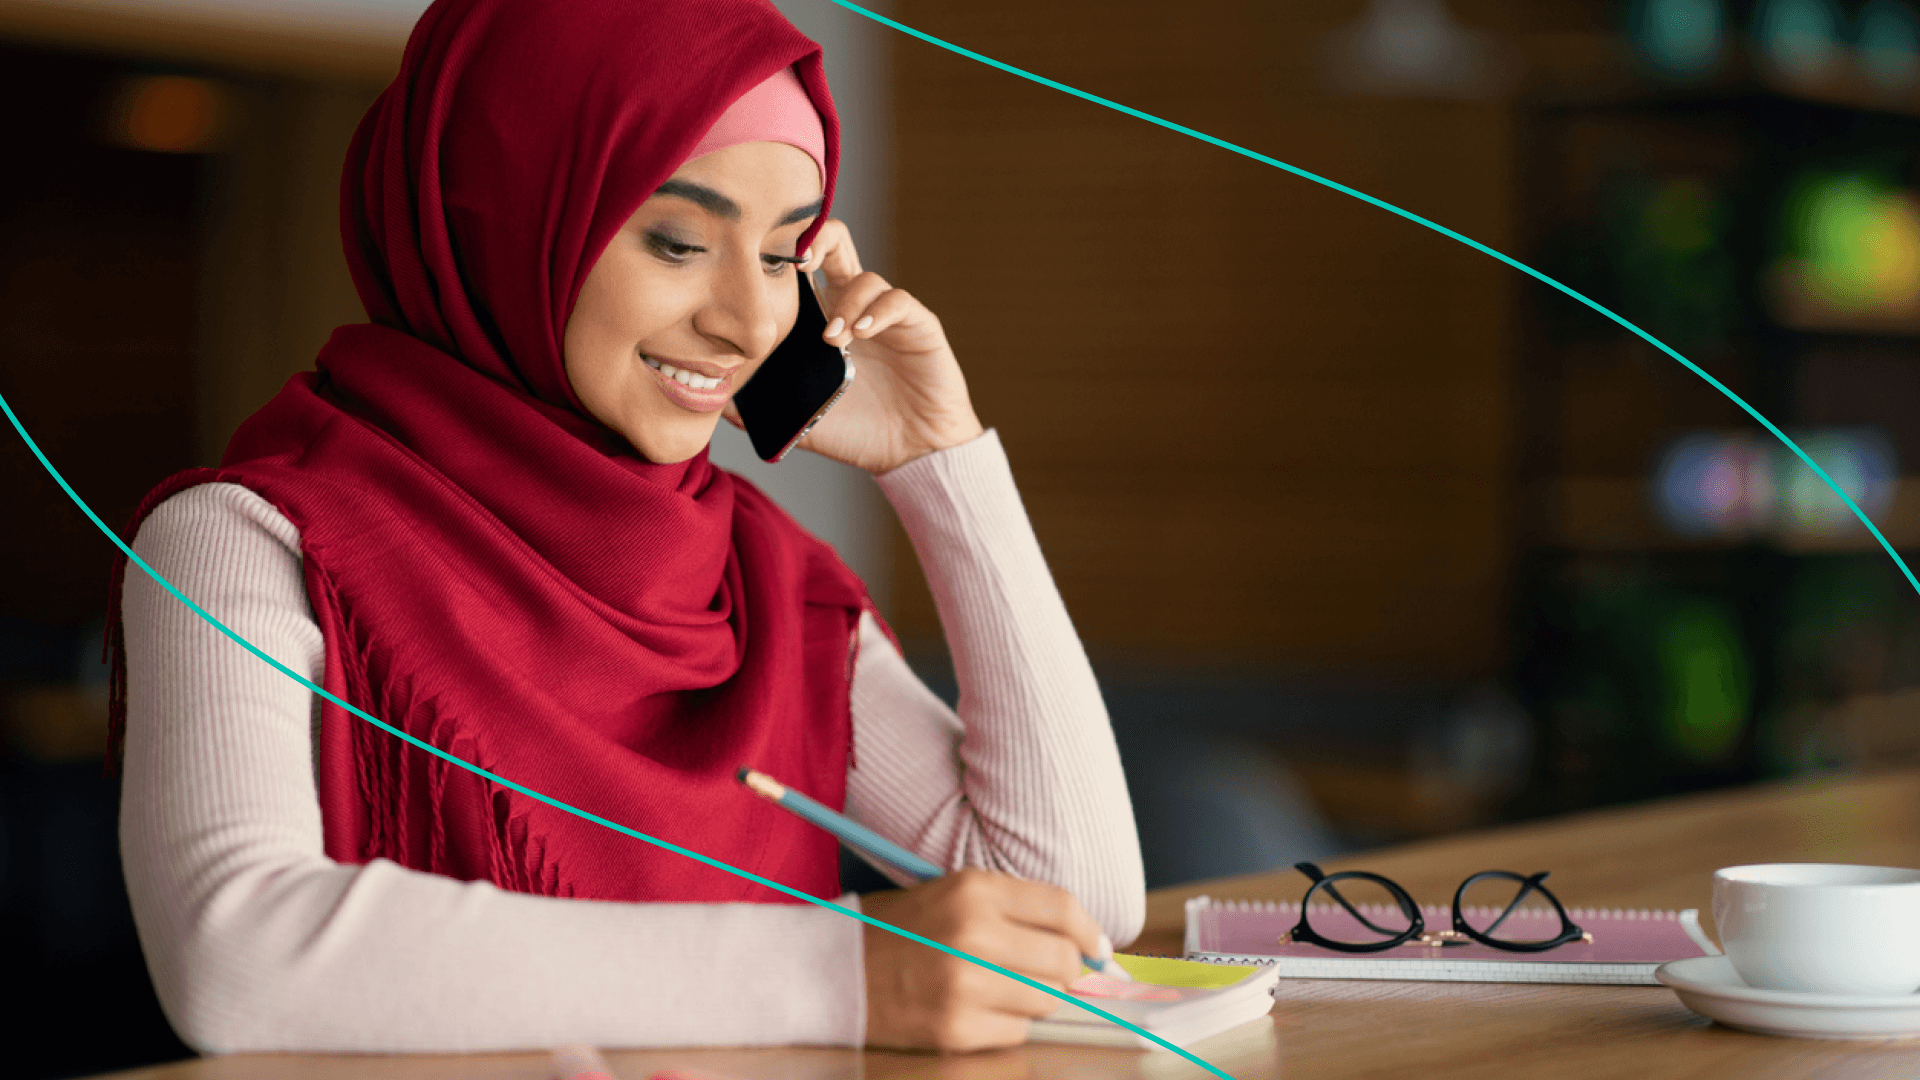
489	519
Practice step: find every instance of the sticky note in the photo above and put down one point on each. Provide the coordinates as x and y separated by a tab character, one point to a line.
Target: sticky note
1165	971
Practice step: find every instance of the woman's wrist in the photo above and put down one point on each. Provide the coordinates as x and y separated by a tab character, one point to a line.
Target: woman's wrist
949	436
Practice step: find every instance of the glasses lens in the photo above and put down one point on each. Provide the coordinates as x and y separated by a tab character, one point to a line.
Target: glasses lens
1533	919
1375	917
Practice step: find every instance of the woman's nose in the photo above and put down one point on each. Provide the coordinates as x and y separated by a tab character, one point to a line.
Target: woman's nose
742	311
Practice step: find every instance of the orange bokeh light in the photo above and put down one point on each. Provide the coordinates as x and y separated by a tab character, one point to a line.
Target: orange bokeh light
173	114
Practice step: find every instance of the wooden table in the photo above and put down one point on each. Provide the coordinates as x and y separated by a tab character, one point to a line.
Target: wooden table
1658	855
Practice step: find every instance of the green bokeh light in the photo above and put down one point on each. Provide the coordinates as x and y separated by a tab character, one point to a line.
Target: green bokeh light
1857	237
1707	686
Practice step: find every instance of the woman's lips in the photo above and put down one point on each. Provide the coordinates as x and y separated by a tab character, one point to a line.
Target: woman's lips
694	398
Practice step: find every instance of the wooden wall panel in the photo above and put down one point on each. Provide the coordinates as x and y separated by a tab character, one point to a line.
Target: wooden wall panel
276	283
95	358
1247	413
350	46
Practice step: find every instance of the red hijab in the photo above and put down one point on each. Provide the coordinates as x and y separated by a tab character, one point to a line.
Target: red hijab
496	573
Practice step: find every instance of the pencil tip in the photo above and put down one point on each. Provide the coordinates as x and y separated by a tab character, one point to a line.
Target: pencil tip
743	774
763	785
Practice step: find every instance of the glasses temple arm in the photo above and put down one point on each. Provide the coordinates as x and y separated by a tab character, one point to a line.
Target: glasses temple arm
1355	912
1526	887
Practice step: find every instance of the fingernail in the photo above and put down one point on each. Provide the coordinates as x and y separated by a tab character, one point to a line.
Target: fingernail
838	324
865	321
1106	948
807	255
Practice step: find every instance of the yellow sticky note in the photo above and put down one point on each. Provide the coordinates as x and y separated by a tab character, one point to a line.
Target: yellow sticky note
1164	971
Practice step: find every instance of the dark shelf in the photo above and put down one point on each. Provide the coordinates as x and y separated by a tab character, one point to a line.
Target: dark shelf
1743	82
1612	515
1904	331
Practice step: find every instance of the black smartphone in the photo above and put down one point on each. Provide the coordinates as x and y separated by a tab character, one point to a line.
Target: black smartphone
796	385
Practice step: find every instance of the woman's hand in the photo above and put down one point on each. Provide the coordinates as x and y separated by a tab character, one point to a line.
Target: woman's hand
922	998
909	398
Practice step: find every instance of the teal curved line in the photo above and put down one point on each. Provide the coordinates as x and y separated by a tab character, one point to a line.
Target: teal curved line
550	801
1418	220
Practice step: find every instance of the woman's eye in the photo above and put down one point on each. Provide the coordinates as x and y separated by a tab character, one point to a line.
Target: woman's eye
671	250
777	264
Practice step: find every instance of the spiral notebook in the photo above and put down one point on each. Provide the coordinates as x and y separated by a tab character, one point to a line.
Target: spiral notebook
1627	945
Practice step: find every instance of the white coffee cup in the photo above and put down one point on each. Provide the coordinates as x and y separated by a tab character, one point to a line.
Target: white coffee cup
1821	928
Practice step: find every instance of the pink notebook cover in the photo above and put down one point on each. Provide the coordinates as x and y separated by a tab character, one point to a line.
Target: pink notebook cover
1627	945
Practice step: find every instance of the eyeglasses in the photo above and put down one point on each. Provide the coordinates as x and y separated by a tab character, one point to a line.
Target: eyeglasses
1484	928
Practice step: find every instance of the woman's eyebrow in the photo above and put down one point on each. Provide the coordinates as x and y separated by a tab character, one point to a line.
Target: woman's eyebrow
804	212
702	196
720	206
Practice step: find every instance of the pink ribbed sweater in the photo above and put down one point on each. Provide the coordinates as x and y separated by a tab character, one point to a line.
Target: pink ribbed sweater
257	941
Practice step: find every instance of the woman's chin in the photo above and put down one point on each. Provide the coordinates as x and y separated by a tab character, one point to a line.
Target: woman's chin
678	442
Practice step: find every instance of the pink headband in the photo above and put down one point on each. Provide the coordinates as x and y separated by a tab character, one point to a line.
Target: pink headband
777	110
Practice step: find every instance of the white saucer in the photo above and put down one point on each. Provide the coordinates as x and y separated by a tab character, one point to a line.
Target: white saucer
1709	986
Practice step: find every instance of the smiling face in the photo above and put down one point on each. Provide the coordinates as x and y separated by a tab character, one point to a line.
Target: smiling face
691	295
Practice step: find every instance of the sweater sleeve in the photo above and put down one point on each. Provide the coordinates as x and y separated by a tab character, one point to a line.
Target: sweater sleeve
256	941
1026	778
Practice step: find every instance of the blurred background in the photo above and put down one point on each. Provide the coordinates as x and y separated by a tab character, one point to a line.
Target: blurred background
1371	538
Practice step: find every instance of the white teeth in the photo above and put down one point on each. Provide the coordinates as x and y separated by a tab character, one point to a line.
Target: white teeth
684	378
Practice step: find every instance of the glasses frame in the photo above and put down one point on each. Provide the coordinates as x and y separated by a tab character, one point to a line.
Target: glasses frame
1416	931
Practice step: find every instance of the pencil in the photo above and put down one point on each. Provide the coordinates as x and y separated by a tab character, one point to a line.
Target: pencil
860	838
851	833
